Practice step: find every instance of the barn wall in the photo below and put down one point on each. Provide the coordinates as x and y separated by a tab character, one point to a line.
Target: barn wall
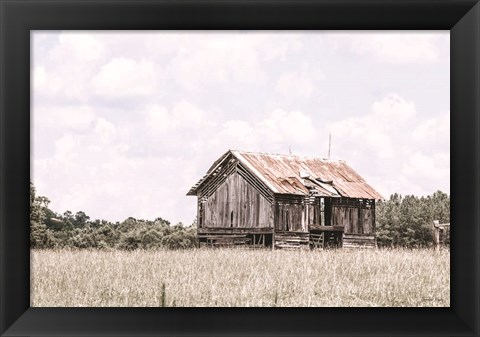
314	213
236	204
355	220
357	217
289	217
293	214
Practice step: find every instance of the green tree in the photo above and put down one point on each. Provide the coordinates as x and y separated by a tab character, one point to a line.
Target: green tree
81	219
40	235
49	230
408	221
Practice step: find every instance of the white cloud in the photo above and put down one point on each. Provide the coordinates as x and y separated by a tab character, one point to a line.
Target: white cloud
293	127
124	77
47	85
104	130
294	84
391	47
188	114
78	46
158	118
240	130
238	134
270	133
434	131
183	116
393	110
423	166
428	170
76	118
39	77
396	148
108	184
217	59
224	58
65	150
378	132
67	65
132	65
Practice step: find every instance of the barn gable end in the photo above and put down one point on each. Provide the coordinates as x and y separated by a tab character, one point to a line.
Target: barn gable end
235	203
220	170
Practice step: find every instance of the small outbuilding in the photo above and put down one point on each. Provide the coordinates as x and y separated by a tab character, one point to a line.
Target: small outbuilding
284	201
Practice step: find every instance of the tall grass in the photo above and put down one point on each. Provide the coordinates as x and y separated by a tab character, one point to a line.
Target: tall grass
236	277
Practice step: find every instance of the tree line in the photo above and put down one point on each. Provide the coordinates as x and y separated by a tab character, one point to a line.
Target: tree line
400	222
407	221
52	230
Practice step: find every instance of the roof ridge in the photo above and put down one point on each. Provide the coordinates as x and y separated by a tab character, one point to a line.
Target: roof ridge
287	155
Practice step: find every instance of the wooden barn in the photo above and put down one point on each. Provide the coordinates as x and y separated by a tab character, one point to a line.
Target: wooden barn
284	201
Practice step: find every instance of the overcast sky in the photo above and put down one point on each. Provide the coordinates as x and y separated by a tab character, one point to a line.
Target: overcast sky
124	123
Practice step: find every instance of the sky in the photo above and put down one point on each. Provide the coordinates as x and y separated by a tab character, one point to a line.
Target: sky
125	123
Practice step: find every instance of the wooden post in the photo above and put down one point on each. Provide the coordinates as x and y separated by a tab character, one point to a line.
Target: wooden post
436	235
437	226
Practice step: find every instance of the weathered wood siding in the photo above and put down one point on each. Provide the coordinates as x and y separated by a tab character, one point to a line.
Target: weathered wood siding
297	213
355	220
356	215
236	204
290	213
314	213
289	217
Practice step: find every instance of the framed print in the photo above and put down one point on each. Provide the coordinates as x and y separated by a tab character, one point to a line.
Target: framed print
281	202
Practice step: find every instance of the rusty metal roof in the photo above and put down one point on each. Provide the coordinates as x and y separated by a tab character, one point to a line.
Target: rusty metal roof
288	174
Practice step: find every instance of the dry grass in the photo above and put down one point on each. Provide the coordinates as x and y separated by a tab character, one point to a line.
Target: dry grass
229	277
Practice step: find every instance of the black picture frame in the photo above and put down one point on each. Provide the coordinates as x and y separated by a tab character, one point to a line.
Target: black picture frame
19	17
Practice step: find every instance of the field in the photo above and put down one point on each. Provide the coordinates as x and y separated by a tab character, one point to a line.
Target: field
234	277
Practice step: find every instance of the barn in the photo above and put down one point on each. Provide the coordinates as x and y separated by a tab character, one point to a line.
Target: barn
284	201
